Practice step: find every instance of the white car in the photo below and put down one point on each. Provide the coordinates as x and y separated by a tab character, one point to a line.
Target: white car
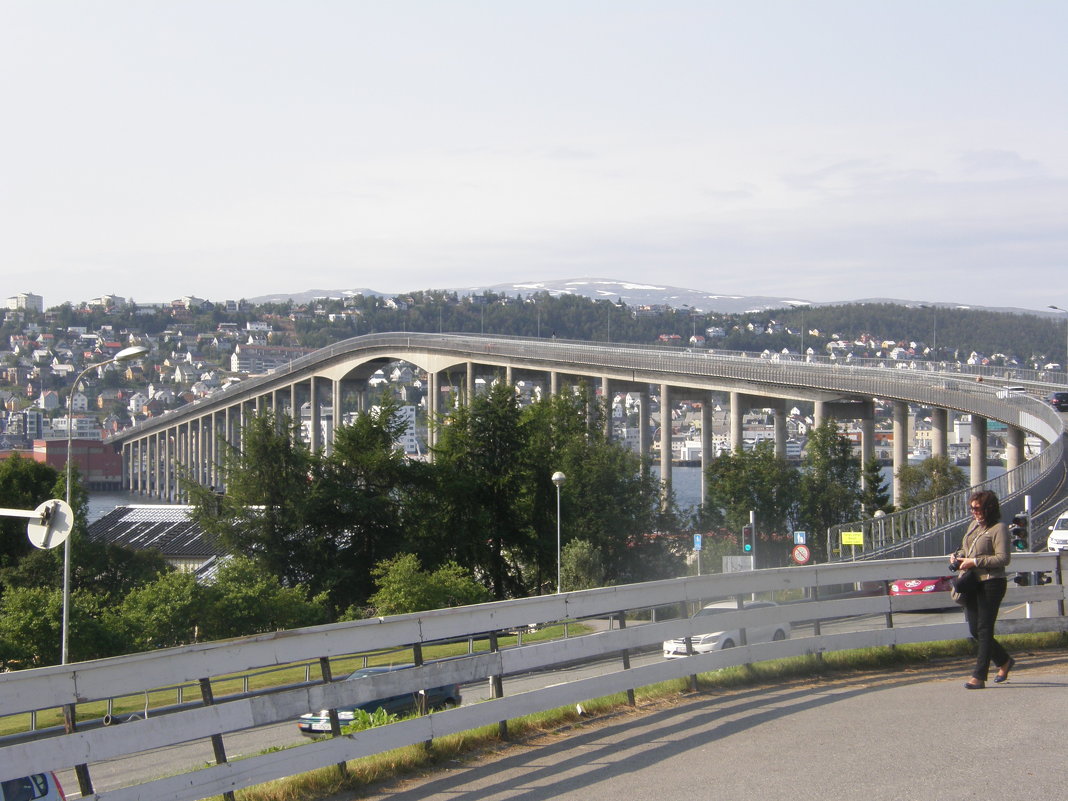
718	640
38	787
1011	392
1058	535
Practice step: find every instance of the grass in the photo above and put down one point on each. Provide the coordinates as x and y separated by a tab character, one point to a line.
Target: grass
363	773
264	680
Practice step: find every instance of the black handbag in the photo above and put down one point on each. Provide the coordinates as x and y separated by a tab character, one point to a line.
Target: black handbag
964	583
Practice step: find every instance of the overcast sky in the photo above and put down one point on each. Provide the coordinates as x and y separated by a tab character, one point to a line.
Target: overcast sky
821	150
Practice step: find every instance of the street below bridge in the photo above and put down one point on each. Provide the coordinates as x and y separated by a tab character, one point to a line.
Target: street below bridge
886	736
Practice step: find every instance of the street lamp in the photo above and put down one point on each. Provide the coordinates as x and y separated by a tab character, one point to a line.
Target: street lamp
124	355
558	480
1058	308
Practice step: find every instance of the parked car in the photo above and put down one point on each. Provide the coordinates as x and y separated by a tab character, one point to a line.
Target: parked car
718	640
1058	400
1058	535
38	787
316	724
920	586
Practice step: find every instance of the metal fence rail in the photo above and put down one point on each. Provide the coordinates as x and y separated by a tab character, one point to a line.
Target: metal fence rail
810	594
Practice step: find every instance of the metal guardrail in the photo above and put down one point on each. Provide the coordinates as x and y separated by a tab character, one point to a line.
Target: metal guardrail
814	594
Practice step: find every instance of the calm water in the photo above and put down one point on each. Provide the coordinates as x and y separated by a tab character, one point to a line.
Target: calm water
686	481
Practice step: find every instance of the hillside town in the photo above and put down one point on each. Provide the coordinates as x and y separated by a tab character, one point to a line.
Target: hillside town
204	347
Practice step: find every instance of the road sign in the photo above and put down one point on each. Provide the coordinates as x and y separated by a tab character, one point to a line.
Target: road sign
852	538
800	554
697	542
52	526
737	564
800	537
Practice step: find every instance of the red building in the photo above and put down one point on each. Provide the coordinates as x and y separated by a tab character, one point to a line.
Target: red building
99	465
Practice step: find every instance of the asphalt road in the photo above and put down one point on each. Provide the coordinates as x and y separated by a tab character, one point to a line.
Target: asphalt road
881	737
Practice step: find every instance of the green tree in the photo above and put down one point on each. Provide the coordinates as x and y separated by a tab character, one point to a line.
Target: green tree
482	488
31	622
830	481
166	612
403	586
244	599
581	566
754	480
928	480
875	495
267	511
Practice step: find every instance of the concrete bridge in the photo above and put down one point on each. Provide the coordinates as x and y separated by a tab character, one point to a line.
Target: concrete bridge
334	381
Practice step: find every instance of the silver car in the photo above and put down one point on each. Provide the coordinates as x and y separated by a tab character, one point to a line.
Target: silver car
728	638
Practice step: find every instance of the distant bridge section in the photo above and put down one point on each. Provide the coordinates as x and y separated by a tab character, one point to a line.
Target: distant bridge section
334	381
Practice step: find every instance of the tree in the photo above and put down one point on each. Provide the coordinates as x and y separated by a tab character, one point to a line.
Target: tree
267	510
875	495
244	599
830	481
482	488
581	566
403	586
754	480
164	613
930	479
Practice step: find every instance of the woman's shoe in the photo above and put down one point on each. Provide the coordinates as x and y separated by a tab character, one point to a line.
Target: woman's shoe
1006	667
974	684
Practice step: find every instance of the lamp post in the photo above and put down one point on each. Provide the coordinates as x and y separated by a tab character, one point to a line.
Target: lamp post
558	480
124	355
1058	308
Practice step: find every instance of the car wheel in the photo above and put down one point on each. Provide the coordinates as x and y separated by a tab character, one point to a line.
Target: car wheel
728	643
779	635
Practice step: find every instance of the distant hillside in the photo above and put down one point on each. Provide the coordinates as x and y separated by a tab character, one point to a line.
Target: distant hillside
632	294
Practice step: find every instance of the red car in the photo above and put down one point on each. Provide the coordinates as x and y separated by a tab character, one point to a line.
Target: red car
920	586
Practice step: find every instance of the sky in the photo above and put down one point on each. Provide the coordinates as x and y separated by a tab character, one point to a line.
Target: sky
825	150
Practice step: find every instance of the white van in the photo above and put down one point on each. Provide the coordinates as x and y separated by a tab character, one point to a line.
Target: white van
1058	535
1011	392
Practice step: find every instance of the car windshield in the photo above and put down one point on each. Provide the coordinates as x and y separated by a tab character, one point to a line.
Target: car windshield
1061	524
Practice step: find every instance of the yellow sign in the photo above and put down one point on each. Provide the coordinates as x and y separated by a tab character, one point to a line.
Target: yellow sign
852	538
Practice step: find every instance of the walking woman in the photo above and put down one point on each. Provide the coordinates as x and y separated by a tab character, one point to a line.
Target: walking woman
985	549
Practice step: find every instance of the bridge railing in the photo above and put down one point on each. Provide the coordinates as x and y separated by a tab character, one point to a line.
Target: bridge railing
814	600
935	527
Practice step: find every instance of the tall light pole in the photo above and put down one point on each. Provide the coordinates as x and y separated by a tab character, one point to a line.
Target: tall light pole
124	355
1058	308
558	480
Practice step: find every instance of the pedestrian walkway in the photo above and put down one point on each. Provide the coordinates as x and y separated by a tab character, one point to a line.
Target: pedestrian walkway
908	734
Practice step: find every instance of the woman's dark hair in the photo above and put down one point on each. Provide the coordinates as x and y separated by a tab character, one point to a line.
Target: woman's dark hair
988	505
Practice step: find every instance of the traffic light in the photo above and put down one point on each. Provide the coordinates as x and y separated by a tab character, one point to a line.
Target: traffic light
747	539
1018	532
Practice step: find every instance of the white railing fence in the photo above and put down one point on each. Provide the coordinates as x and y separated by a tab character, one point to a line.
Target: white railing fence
816	595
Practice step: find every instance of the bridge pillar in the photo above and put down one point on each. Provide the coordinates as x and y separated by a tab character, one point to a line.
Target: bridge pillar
978	450
901	447
294	409
737	413
554	382
819	413
778	412
939	432
644	445
337	414
315	435
707	411
867	441
432	399
606	396
1014	454
469	395
665	442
